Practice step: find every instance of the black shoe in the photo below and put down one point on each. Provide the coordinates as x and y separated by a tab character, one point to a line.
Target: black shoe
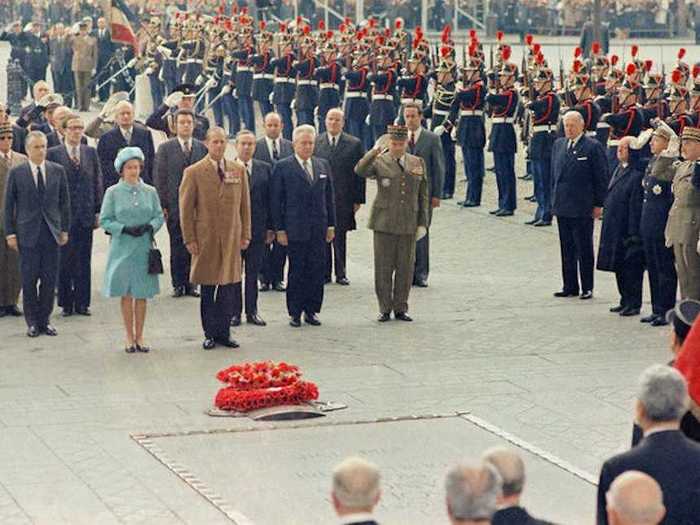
295	322
525	177
33	331
49	330
629	312
264	287
179	291
659	321
279	287
3	312
402	316
648	319
491	168
83	311
343	281
312	319
495	212
191	291
531	222
504	213
617	309
564	293
236	320
208	344
14	311
587	294
421	283
130	349
228	342
447	196
255	319
143	349
383	318
528	198
67	312
542	222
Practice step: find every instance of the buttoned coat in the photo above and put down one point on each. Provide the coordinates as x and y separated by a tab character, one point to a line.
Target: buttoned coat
429	148
263	153
683	225
111	142
10	279
84	53
216	215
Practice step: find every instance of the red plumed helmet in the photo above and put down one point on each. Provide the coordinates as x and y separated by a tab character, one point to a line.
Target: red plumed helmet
347	21
681	53
614	59
445	36
578	52
220	10
472	33
419	30
298	20
307	30
528	39
244	10
631	69
635	50
342	27
505	53
398	23
387	32
676	76
647	65
372	22
536	48
444	51
595	47
262	25
499	35
329	34
696	70
322	25
539	59
577	66
283	27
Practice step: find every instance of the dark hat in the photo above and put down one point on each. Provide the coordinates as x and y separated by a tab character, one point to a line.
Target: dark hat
187	90
397	132
683	315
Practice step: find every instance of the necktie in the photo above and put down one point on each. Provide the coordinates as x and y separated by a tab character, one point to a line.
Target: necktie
220	172
309	173
398	161
571	146
412	142
74	156
187	150
127	135
333	142
39	182
275	152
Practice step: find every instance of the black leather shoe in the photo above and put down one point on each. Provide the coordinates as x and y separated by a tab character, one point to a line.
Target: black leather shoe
504	213
531	222
312	319
531	198
191	291
494	212
130	349
421	283
617	309
50	330
33	331
264	287
279	287
659	321
236	320
228	343
179	291
588	294
14	311
648	319
83	311
255	319
542	222
402	316
295	322
629	312
142	348
468	204
3	312
447	196
343	281
528	197
67	312
383	318
208	344
564	293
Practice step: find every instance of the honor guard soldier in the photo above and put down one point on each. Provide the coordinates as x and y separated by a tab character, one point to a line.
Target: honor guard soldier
229	102
218	81
168	50
306	97
263	72
604	101
356	107
628	120
413	86
678	104
503	101
163	118
283	91
655	105
328	75
192	53
545	115
154	61
382	110
583	102
468	112
244	80
398	218
599	69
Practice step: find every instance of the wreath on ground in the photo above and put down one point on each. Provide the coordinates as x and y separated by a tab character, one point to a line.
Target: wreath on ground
251	386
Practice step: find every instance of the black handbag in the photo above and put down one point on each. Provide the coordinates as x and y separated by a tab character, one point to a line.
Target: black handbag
155	258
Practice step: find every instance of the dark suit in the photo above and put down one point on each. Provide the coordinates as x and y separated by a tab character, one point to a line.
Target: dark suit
261	222
272	271
85	188
111	142
105	49
515	516
169	167
37	219
673	461
429	148
305	210
579	183
349	190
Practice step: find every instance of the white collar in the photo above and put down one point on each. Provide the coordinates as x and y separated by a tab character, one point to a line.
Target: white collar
336	137
35	166
575	140
301	161
357	517
124	131
416	134
221	163
270	141
182	142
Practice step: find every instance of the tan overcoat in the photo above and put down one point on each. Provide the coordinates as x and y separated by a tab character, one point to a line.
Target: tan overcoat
10	278
216	215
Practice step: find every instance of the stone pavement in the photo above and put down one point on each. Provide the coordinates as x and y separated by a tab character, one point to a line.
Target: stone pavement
488	340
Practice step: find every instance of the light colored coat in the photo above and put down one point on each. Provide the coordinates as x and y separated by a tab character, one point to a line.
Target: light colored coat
216	215
84	53
10	278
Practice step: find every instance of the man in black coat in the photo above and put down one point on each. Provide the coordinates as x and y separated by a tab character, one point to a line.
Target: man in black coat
105	50
343	152
620	248
37	221
665	453
635	497
263	231
303	212
271	149
579	185
172	157
125	133
82	169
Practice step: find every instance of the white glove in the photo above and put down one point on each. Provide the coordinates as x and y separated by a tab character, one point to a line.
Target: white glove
199	80
131	63
211	83
272	95
316	111
149	71
173	99
421	232
293	104
439	130
367	120
227	89
453	134
165	51
235	93
396	121
673	149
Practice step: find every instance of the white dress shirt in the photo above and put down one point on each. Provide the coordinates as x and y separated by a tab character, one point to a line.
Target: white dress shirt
331	137
33	167
304	166
278	144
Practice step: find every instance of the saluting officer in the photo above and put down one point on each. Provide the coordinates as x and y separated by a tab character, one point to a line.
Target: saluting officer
163	118
399	217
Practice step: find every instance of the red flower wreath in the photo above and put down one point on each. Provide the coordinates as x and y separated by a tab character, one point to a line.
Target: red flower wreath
260	385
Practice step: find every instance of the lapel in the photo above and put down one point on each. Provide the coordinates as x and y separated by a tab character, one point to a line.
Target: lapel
210	173
265	150
617	176
302	172
419	143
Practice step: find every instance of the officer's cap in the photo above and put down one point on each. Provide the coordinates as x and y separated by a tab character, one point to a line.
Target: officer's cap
691	133
663	132
397	132
5	129
187	90
684	314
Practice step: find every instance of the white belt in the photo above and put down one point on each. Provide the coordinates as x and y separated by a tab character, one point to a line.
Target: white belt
193	61
591	134
329	85
284	80
613	143
382	97
355	94
544	127
244	68
441	112
306	82
471	113
258	76
602	125
410	100
503	120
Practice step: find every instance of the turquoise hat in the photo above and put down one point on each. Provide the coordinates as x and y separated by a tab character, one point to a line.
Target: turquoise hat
127	154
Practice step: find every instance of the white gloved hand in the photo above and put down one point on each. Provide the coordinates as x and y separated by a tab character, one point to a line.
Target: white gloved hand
439	130
293	105
131	63
199	80
421	232
271	97
165	51
673	149
396	121
226	90
211	83
173	99
453	134
149	71
235	93
316	111
367	120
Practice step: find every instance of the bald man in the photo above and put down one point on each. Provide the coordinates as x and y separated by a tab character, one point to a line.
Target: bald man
635	498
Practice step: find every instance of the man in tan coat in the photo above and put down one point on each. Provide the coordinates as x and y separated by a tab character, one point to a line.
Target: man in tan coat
215	222
84	63
10	279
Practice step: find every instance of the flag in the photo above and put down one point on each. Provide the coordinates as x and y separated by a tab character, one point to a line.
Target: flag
123	23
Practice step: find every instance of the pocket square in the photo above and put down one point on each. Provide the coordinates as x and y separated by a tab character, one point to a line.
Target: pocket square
322	176
581	158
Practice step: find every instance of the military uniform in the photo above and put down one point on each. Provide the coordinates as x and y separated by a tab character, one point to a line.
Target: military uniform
399	209
283	92
244	86
545	114
263	77
382	111
504	146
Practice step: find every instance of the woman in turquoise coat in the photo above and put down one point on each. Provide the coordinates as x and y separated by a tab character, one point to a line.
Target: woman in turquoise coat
131	214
